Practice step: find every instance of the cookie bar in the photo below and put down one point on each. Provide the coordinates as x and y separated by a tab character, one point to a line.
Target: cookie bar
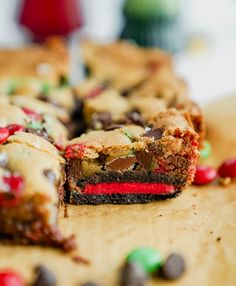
103	106
39	71
30	68
15	119
123	64
31	186
131	164
137	72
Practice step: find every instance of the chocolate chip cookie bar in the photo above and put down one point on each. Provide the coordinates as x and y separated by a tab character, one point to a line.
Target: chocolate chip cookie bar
102	106
39	71
14	119
132	164
30	68
123	64
31	187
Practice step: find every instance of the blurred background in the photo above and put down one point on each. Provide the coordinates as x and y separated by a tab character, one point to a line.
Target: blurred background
201	34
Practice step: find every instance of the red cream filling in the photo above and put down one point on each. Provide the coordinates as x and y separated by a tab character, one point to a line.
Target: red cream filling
128	188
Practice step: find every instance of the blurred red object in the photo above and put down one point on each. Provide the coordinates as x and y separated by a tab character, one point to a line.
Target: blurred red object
50	17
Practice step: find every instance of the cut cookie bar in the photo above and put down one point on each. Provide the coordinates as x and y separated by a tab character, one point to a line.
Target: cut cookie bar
31	183
132	164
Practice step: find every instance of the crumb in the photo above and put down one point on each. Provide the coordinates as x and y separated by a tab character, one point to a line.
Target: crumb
80	260
66	215
225	182
218	239
211	232
195	213
194	195
160	215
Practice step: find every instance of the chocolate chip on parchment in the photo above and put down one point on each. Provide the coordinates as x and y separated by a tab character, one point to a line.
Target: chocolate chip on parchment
155	133
50	175
174	267
44	277
133	274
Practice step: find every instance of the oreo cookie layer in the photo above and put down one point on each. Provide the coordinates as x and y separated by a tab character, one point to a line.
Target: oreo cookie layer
80	199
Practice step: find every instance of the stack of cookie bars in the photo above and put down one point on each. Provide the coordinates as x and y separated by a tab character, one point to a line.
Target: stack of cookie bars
127	134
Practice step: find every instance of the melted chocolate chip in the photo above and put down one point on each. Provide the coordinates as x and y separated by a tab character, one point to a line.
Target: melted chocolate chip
39	132
135	117
44	277
126	92
77	113
101	120
113	126
122	164
133	275
145	158
74	168
174	267
155	133
50	175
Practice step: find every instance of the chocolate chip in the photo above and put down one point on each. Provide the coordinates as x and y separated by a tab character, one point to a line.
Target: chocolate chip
122	164
44	277
174	267
133	275
135	117
101	120
126	92
50	175
155	133
113	126
39	132
3	160
74	168
145	158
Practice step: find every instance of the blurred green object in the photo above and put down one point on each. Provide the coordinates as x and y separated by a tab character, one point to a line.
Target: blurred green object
143	8
154	23
206	150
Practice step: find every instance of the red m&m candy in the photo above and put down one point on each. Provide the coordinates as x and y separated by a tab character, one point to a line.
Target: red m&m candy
204	175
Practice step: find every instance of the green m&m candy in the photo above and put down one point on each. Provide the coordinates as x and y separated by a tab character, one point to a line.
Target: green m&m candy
148	258
206	150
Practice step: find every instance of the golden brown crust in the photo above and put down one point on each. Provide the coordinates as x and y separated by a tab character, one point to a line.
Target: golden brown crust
124	64
35	142
44	62
39	106
30	164
108	101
